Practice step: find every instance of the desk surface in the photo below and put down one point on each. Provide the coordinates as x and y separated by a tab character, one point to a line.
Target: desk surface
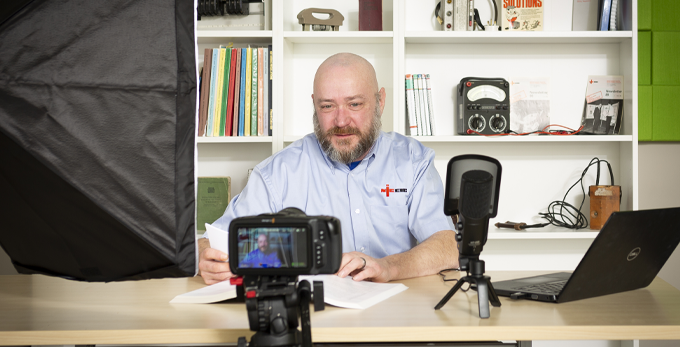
40	310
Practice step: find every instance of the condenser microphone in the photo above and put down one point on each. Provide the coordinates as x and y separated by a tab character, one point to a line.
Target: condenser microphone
474	202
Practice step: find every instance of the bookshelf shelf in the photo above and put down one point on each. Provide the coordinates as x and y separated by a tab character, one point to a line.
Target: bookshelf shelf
501	37
585	234
509	139
249	34
234	139
528	138
339	37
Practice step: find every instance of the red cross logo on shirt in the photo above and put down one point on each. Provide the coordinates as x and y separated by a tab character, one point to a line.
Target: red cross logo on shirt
387	190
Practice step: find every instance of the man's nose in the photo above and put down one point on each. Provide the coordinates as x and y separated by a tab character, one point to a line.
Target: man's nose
342	117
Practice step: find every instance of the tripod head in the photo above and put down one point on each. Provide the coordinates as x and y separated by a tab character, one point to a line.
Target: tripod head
275	305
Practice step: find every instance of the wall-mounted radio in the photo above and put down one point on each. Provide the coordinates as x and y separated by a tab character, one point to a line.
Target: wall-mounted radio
483	106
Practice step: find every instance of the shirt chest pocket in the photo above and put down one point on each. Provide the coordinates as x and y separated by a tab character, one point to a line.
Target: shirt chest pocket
390	224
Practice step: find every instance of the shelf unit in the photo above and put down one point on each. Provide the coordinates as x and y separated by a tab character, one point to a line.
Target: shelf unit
536	169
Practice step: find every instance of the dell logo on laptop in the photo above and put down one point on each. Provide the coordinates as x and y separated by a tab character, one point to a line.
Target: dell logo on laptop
633	254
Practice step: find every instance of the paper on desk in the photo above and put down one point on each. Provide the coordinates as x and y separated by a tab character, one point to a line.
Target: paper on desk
214	293
348	293
219	239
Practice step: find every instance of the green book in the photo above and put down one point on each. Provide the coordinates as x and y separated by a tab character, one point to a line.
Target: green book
225	91
212	198
253	99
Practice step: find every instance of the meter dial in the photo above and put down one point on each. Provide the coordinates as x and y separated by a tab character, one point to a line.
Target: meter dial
497	123
486	91
477	123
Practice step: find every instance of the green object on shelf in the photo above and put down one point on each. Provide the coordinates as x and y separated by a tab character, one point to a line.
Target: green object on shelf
644	58
645	98
665	120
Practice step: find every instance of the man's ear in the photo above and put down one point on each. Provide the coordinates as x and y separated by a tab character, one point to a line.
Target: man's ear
382	99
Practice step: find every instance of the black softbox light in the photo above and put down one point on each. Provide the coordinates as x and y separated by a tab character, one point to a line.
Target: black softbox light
97	122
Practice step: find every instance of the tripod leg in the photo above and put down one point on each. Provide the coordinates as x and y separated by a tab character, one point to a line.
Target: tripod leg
448	295
493	297
483	298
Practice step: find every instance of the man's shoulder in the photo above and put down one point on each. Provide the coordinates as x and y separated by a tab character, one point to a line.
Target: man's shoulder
401	144
307	146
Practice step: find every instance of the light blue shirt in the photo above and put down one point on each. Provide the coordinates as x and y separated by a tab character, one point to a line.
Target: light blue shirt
393	199
257	259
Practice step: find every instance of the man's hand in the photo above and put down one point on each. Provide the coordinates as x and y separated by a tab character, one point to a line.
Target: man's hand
376	270
212	264
437	253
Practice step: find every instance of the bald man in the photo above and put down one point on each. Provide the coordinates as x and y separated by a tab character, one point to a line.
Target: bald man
382	186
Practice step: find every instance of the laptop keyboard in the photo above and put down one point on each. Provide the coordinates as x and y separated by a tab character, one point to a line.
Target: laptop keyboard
547	288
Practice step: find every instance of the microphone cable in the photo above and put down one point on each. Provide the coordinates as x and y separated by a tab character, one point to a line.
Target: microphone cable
566	215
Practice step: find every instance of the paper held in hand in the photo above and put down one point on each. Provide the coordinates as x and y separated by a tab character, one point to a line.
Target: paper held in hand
340	292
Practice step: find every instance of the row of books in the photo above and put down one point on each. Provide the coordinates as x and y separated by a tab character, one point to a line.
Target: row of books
420	114
236	92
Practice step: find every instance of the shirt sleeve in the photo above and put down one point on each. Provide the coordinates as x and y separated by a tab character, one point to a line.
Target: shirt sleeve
426	202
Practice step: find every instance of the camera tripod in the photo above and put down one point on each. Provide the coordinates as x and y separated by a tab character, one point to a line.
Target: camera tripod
485	292
275	304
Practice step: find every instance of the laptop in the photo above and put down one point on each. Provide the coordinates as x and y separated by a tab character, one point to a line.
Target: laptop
629	251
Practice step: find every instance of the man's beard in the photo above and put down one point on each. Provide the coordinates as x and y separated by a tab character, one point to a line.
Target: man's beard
346	156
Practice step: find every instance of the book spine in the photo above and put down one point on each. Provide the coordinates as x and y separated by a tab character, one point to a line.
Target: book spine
254	93
370	15
428	89
265	97
230	95
271	91
213	88
605	14
218	93
416	108
225	90
410	105
612	17
242	106
237	93
249	91
423	107
260	91
205	91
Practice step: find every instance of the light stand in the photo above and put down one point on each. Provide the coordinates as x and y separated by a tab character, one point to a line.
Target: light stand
472	187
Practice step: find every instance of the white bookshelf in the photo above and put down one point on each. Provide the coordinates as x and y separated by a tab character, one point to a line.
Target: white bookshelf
536	169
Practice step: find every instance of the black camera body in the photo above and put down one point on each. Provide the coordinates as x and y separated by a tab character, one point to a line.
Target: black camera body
287	243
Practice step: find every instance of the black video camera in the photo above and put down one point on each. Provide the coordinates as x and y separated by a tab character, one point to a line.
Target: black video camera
287	243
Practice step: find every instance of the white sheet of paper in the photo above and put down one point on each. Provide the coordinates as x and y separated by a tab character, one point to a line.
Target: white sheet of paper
219	239
347	293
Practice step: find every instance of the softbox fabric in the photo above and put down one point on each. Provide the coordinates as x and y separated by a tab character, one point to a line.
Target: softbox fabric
97	138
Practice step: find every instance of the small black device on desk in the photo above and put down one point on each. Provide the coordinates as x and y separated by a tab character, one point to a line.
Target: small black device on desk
483	106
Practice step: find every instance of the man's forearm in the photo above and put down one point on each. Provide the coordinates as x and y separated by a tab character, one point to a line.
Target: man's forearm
437	253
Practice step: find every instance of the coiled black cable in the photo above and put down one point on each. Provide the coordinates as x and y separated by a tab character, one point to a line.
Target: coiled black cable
566	215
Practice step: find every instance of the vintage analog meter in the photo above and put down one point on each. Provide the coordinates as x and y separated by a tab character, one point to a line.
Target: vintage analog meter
483	106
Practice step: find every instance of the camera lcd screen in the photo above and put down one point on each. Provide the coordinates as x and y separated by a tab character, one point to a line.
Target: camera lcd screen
272	247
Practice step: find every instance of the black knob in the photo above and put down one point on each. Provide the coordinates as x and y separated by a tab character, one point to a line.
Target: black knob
279	325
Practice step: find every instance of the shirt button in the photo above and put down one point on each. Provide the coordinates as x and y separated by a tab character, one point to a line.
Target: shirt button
362	249
357	210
